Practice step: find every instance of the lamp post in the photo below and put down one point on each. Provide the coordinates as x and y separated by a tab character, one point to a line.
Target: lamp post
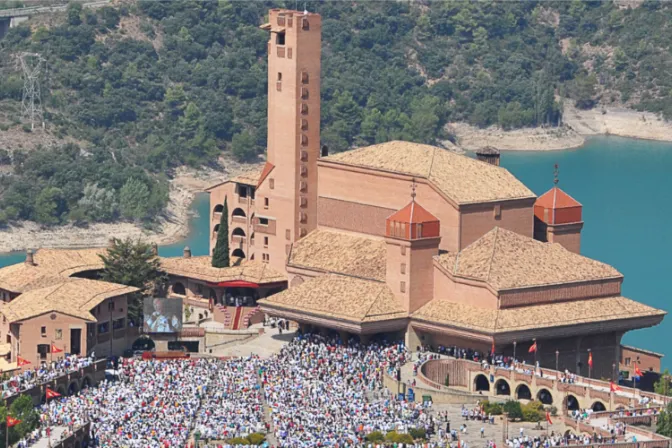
557	356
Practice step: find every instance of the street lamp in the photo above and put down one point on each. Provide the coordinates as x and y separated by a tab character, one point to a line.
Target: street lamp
557	356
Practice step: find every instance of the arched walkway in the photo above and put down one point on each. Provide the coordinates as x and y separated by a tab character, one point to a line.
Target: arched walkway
481	383
238	232
178	288
545	397
598	406
238	253
61	390
219	208
523	392
571	403
86	382
238	212
502	388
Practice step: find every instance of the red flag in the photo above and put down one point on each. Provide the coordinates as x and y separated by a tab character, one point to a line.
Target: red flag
55	349
613	387
492	350
20	362
11	421
548	418
590	360
637	371
533	348
52	394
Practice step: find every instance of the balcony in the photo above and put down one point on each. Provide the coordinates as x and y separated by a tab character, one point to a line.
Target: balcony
281	52
239	220
281	20
243	199
266	229
238	241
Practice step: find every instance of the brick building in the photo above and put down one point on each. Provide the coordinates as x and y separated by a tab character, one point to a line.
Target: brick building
416	240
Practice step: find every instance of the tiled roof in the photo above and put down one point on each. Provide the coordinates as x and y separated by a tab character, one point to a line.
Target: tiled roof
67	262
413	213
340	297
507	260
250	177
74	297
555	198
22	277
341	253
531	317
268	167
200	268
459	177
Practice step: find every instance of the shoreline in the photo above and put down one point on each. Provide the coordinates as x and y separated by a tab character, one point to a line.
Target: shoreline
171	228
577	127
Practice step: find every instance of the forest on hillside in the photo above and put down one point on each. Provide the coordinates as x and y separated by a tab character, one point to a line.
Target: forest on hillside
145	87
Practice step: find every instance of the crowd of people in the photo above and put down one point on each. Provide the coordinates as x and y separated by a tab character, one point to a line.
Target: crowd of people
45	372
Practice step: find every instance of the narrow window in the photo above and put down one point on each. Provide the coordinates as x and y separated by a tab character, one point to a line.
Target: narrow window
265	202
280	39
403	268
263	221
402	287
271	183
279	76
43	332
265	241
288	234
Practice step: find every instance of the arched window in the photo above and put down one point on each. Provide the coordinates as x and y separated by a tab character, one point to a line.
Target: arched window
523	392
481	383
219	208
238	212
502	388
216	229
178	288
238	253
238	232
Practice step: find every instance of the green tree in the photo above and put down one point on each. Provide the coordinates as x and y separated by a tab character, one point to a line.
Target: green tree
133	197
22	409
583	91
49	206
220	255
243	147
664	425
74	14
662	386
134	263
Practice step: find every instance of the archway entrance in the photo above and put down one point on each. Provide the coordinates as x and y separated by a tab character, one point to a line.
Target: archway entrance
572	403
545	397
598	406
481	383
179	289
502	388
523	392
73	388
238	253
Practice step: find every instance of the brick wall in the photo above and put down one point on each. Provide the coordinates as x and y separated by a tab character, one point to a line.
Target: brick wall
560	293
479	219
352	216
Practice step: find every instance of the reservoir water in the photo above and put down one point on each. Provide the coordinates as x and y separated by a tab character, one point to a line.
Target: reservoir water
624	186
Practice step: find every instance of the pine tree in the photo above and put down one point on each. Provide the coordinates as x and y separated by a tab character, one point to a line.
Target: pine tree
220	256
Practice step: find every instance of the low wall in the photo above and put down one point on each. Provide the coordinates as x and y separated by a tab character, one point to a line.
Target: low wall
439	396
76	439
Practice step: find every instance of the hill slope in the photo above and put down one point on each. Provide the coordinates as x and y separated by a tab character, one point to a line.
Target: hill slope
138	89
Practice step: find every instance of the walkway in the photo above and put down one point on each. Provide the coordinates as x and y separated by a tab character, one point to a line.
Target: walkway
56	434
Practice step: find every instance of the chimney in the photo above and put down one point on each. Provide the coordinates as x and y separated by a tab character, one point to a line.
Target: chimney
325	150
186	253
489	155
29	258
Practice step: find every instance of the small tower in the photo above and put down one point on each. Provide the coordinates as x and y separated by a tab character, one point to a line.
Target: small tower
489	155
412	238
557	218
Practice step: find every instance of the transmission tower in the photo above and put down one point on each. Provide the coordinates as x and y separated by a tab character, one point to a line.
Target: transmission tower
31	64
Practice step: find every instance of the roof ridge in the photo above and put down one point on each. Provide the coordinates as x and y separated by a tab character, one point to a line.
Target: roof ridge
373	302
492	255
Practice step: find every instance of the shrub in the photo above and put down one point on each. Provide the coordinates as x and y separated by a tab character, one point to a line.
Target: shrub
418	433
375	436
553	410
492	408
394	436
533	411
256	438
238	441
513	409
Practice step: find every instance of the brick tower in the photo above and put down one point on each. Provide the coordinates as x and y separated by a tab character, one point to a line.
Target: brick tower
558	218
293	128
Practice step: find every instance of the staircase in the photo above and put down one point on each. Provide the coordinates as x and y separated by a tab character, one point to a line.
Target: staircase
251	313
237	318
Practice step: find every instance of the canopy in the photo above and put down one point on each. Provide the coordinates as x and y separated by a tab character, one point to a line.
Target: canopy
236	284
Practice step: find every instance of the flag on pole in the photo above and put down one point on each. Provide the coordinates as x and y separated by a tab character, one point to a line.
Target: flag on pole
613	387
590	360
533	348
11	421
638	373
548	418
20	362
55	349
492	350
52	394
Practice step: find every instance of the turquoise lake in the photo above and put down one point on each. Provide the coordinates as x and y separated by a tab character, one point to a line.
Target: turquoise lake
624	187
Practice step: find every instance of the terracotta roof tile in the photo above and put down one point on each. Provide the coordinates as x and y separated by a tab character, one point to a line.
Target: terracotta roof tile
268	167
74	297
22	277
200	268
67	262
532	317
250	177
555	198
464	179
340	297
342	253
413	213
507	260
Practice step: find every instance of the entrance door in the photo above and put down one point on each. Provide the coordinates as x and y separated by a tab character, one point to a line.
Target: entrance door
75	341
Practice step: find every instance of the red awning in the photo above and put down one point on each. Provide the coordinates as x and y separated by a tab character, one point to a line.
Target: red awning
236	284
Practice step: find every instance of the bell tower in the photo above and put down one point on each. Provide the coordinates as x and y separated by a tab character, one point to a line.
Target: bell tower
294	51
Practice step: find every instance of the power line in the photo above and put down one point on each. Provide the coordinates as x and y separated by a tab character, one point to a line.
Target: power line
31	103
